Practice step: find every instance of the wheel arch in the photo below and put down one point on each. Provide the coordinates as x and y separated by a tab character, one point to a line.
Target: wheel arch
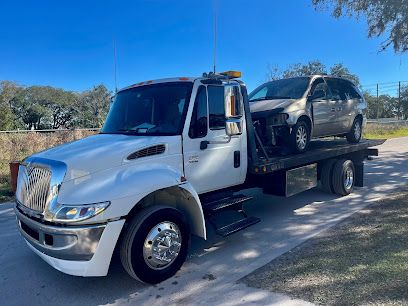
308	122
182	197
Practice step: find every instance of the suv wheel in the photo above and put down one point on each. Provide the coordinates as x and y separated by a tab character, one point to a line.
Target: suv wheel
300	137
355	133
155	243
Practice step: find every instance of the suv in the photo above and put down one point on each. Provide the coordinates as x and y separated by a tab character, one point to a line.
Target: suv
292	111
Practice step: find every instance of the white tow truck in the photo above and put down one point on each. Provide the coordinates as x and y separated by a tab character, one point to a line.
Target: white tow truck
173	154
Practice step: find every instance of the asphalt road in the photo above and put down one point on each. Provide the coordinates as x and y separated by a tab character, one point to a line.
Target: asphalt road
209	276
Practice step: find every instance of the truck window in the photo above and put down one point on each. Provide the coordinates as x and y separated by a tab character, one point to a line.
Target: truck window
216	107
199	124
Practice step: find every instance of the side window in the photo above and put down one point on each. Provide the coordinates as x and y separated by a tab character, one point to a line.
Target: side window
350	90
216	107
198	125
336	88
319	86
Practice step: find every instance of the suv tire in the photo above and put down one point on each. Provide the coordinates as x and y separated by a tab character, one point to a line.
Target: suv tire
299	138
354	136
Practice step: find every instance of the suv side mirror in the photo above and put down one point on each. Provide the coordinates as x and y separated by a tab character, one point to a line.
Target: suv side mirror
232	101
318	94
233	126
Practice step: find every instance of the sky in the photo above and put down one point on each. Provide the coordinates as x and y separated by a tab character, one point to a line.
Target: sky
69	44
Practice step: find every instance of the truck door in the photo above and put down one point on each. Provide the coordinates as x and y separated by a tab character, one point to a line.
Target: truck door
211	160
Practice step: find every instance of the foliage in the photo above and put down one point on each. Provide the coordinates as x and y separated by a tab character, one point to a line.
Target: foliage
310	68
43	107
390	16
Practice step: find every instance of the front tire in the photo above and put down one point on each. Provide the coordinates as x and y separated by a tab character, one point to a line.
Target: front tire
300	137
155	244
354	136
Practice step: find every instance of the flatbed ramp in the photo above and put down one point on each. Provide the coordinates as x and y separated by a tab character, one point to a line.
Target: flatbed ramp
319	150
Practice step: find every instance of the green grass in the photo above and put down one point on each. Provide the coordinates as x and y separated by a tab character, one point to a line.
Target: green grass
361	261
5	192
375	131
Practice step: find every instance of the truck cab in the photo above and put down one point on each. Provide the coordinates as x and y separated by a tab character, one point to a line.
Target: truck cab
171	155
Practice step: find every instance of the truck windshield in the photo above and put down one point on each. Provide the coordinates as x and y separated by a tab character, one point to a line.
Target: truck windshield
157	109
292	88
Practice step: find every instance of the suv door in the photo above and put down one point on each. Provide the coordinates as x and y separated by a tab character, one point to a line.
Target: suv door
341	107
221	164
323	108
349	105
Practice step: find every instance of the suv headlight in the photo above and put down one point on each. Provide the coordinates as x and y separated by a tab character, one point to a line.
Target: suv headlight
75	213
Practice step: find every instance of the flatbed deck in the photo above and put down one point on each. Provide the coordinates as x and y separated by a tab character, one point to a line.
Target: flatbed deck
319	150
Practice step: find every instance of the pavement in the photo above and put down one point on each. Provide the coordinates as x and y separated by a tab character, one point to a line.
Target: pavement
210	275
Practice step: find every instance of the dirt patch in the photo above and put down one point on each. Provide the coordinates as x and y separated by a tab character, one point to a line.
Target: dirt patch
363	260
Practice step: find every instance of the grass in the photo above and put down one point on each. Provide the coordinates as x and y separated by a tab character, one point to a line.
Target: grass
375	131
17	146
363	260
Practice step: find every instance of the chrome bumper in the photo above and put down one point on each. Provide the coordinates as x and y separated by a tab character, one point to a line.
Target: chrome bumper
77	243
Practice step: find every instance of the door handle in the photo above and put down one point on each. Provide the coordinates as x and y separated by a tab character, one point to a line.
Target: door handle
333	109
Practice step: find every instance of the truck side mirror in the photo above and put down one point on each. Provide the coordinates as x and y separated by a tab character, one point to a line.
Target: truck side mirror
233	101
233	126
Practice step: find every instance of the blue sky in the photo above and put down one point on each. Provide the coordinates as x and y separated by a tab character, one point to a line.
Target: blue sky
68	44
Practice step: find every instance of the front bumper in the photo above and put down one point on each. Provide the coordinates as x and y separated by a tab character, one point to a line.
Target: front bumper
77	250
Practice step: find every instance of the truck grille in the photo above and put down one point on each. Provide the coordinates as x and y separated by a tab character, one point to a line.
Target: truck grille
33	187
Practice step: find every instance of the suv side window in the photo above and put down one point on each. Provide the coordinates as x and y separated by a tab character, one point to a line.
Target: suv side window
350	90
319	84
337	89
216	107
199	122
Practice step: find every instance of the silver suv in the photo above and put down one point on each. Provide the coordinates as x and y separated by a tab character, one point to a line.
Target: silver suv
291	111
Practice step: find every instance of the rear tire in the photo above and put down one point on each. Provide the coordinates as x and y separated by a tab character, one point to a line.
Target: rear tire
343	177
327	175
299	138
155	244
354	136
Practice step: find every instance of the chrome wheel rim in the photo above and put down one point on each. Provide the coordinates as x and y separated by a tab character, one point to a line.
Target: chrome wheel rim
162	245
301	137
348	178
357	131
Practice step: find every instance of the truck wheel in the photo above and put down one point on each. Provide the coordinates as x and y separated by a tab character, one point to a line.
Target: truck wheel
326	175
155	243
343	177
355	133
300	137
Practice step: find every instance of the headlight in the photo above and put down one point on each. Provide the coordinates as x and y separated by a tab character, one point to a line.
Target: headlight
278	119
75	213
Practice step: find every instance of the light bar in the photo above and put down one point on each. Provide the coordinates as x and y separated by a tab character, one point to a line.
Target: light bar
231	74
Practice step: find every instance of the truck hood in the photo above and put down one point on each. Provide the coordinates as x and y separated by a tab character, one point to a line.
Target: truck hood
102	151
265	105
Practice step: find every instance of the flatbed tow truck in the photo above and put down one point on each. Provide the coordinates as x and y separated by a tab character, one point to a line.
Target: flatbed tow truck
172	154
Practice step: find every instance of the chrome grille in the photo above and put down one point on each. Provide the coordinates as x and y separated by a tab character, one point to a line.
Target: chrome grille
33	187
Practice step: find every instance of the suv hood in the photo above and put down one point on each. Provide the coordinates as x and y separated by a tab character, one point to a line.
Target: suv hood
265	105
102	151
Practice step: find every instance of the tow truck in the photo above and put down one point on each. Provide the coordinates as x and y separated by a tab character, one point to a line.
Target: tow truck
173	155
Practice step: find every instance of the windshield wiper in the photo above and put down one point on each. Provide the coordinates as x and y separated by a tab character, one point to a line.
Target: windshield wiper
270	98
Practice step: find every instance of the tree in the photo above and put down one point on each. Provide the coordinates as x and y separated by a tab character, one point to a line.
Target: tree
93	106
8	91
342	71
389	16
310	68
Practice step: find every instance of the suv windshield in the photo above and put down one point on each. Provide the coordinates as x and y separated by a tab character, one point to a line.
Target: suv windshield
157	109
293	88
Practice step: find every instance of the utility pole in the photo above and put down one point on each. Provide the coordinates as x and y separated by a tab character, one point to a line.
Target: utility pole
378	104
399	101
